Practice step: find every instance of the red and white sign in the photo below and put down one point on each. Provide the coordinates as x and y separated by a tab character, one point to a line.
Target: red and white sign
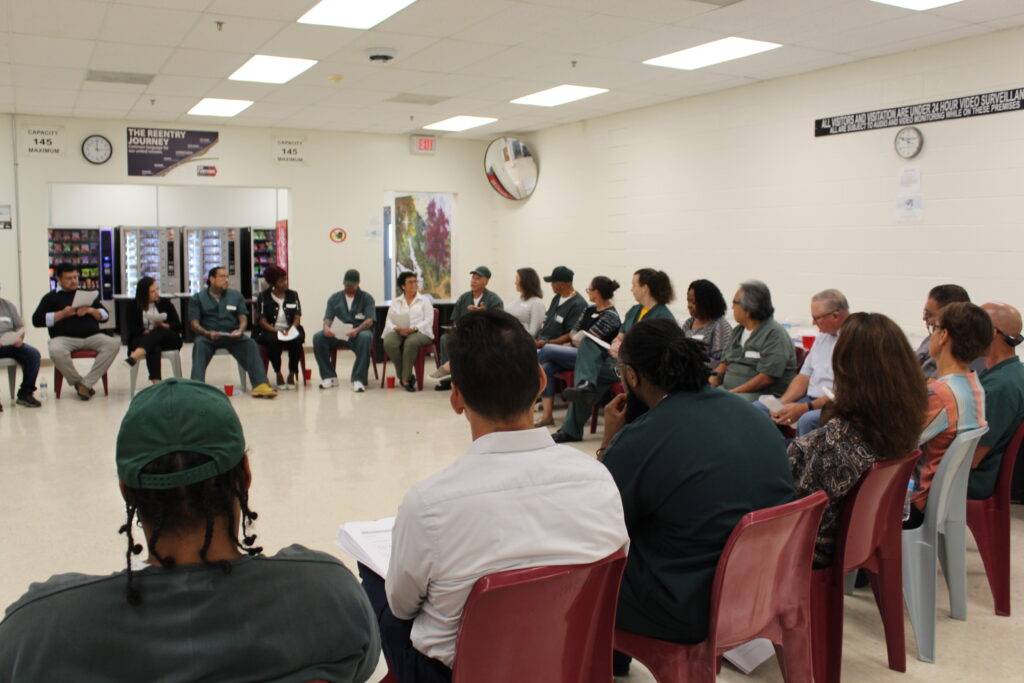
423	144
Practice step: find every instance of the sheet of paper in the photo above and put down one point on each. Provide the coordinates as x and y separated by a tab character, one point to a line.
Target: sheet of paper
83	297
289	334
771	403
9	338
155	317
829	393
597	340
368	542
751	655
340	329
400	320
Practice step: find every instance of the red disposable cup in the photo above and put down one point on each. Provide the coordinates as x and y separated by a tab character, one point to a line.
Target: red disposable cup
808	341
309	374
229	389
391	382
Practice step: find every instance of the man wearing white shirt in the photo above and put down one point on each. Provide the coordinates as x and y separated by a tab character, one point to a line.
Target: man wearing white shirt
408	327
806	395
514	500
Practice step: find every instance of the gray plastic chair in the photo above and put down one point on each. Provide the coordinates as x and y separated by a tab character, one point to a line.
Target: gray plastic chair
12	372
942	535
242	381
173	356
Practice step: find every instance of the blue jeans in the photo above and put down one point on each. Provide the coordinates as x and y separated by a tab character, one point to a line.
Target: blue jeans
28	358
554	358
807	423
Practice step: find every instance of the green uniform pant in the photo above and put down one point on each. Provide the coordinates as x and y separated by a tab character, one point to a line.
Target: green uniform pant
592	366
243	349
322	345
443	348
403	351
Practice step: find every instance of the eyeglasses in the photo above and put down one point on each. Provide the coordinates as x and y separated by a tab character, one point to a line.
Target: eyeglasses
933	326
819	318
1010	341
618	369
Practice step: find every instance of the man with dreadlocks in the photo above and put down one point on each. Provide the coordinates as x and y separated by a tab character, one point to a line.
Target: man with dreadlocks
206	606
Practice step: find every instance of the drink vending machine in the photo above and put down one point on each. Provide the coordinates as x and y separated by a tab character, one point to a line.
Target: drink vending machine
92	251
148	252
207	248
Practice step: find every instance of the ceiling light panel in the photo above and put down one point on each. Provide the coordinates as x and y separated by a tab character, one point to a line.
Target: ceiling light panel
459	123
212	106
918	5
715	52
267	69
353	13
552	97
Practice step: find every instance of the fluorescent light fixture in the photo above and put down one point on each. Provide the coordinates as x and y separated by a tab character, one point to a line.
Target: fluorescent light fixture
552	97
457	123
918	5
714	52
211	106
353	13
267	69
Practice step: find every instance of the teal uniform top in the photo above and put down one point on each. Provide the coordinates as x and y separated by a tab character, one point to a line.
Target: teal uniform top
688	469
562	316
217	316
362	308
769	350
1004	410
488	300
295	616
657	311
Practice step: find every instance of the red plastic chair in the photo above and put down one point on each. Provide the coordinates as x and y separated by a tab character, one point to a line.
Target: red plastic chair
421	357
550	624
302	361
566	379
334	359
801	354
869	537
989	522
58	379
761	590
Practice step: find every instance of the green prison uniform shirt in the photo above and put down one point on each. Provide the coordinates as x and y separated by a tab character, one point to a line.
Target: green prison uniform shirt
217	316
295	616
769	350
657	311
362	308
488	300
1004	410
562	318
688	470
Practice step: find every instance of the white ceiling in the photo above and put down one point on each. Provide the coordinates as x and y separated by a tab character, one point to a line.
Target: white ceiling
478	53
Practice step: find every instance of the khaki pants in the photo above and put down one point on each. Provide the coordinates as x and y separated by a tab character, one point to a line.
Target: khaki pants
60	353
403	351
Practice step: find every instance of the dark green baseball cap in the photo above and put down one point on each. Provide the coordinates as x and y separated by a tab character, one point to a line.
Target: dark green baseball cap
351	277
559	274
482	271
178	415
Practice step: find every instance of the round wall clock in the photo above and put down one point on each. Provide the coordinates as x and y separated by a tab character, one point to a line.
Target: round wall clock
908	142
97	149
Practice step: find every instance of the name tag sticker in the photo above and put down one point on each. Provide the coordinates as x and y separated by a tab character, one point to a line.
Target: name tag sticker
360	316
230	307
559	319
5	319
290	305
595	315
698	337
752	354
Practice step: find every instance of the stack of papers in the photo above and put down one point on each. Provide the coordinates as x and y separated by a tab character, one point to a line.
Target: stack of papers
400	320
340	329
368	542
289	334
83	298
9	338
583	334
751	655
154	317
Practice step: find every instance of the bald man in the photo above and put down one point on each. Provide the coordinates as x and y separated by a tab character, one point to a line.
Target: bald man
1003	380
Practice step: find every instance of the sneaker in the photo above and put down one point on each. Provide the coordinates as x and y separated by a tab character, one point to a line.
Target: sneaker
290	384
328	382
29	401
441	372
358	387
264	391
129	362
84	392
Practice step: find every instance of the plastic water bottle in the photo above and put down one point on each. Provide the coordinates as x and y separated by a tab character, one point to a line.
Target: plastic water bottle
906	502
43	390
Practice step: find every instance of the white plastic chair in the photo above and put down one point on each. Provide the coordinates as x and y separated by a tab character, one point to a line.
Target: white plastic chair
173	356
242	381
942	535
12	372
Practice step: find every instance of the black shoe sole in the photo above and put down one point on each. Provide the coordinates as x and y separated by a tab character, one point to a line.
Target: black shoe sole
33	404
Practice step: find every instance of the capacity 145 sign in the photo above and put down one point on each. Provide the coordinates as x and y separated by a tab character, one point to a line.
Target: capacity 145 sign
43	141
288	150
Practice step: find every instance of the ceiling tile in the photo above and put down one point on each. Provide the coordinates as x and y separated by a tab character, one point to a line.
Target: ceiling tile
514	62
98	113
47	77
521	22
441	18
273	110
239	34
185	5
147	25
891	32
35	97
299	94
451	85
146	59
1011	21
591	34
43	51
58	18
661	11
106	100
119	88
42	110
163	105
181	85
451	55
6	96
354	52
6	75
980	11
262	9
389	79
241	90
308	41
904	44
353	97
190	62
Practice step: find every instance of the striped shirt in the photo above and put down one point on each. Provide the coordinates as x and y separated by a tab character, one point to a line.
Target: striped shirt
956	403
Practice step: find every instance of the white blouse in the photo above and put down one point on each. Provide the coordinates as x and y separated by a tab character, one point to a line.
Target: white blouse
420	312
530	312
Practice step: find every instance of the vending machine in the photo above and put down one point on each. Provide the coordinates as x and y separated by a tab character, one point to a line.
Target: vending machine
264	255
92	251
229	248
148	252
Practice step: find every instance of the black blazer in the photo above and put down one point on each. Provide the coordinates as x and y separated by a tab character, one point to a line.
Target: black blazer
266	307
136	328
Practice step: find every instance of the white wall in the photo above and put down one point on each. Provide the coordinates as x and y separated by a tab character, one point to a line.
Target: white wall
9	283
734	185
343	184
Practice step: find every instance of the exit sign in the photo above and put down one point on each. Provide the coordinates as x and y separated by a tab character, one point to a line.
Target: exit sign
423	144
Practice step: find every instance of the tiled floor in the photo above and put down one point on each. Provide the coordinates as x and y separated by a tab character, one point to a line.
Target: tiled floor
323	457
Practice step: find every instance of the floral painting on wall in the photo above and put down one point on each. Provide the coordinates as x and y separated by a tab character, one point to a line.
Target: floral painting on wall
423	240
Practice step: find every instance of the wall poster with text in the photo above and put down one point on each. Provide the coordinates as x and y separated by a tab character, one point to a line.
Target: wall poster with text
422	240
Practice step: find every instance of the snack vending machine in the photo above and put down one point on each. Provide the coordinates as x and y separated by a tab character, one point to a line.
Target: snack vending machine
269	248
92	251
229	248
148	252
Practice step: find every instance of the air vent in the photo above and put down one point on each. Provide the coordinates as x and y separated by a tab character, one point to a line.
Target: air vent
118	77
416	98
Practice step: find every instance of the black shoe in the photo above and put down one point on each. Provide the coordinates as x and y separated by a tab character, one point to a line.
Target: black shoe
562	437
129	361
410	385
29	401
584	393
446	385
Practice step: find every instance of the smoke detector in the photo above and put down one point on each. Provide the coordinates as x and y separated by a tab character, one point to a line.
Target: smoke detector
381	55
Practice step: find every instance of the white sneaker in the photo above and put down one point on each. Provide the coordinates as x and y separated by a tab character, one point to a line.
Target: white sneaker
358	387
328	382
441	372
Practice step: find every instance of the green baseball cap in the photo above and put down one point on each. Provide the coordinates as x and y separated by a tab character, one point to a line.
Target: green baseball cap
178	415
351	277
482	271
559	274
